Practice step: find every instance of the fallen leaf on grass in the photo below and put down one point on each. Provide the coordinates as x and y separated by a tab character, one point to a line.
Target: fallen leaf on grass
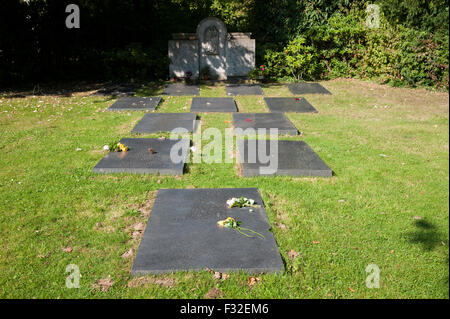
104	284
292	254
138	227
315	242
135	234
280	225
146	207
418	217
253	281
214	293
128	254
220	276
351	289
67	249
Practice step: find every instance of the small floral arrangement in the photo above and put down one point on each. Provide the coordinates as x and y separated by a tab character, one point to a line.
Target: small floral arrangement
188	75
118	147
230	222
258	73
240	202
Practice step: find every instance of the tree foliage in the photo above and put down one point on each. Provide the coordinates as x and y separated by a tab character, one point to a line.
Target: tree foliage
127	39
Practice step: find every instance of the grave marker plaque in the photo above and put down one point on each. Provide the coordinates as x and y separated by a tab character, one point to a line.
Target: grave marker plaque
307	88
182	234
264	121
294	158
146	156
289	104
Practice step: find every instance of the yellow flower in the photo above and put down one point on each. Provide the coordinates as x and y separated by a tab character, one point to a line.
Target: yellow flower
122	147
224	222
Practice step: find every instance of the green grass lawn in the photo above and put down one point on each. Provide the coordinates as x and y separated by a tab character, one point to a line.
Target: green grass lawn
387	203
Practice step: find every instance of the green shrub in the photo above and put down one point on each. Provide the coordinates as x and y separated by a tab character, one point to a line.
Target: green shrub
296	60
345	47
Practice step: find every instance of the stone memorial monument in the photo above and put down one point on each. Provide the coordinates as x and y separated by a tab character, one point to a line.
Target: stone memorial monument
211	48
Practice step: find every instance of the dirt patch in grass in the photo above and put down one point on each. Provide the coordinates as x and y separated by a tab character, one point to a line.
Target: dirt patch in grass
275	203
146	207
167	282
214	293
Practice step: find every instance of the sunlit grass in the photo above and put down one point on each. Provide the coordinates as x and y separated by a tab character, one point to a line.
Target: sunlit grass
387	203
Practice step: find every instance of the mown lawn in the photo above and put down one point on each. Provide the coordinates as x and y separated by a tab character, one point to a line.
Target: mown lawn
387	203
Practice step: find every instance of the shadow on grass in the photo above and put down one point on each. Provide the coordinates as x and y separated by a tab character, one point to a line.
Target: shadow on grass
64	89
151	89
429	237
426	234
68	89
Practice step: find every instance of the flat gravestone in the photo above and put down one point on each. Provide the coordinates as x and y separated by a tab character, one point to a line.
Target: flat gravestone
178	89
289	104
295	158
307	88
264	121
135	103
213	104
182	234
243	89
165	122
145	156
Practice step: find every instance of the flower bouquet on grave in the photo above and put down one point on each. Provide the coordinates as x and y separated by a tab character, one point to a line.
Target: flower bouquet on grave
118	147
241	202
258	73
230	222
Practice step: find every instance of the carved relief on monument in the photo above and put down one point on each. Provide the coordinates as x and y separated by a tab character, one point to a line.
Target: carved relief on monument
211	40
224	54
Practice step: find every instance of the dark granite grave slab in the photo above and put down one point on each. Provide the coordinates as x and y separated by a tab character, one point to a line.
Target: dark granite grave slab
264	120
289	104
178	89
295	158
165	122
138	158
135	103
182	234
307	88
243	89
213	104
